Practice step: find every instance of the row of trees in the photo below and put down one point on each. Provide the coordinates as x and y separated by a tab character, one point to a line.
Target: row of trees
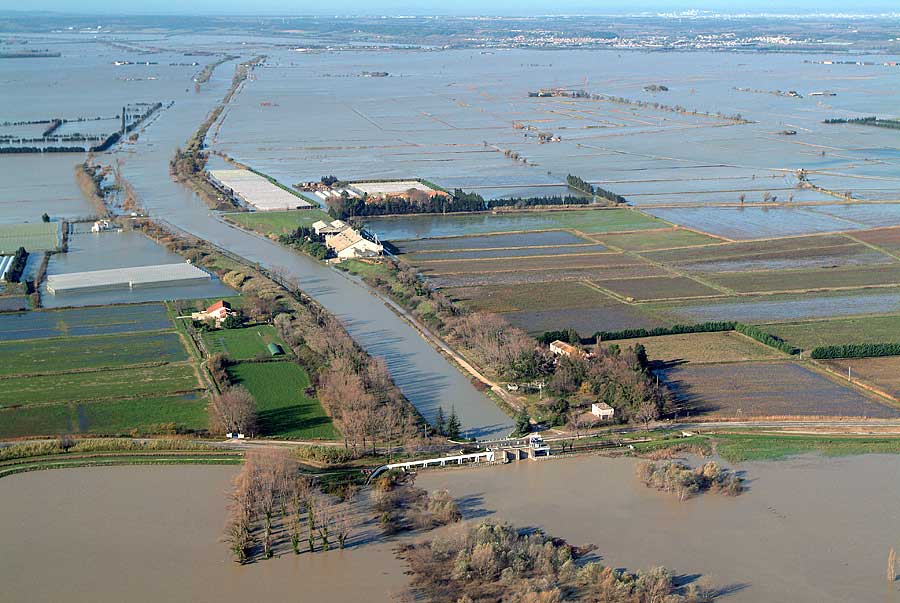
576	183
867	121
856	350
414	201
269	493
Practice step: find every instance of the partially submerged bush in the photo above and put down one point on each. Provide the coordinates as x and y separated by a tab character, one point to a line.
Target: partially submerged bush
496	562
686	482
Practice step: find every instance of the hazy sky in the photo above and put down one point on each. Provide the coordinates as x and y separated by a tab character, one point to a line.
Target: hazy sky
412	7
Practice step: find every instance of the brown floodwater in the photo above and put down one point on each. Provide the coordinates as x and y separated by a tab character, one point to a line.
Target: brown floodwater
152	534
810	529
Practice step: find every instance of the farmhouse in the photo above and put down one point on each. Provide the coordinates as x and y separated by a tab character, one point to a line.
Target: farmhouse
349	243
345	241
603	410
561	348
218	312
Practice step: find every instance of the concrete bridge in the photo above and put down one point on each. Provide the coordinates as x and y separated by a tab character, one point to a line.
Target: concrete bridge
496	451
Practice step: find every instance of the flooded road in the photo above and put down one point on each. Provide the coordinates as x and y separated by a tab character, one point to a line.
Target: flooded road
145	534
809	530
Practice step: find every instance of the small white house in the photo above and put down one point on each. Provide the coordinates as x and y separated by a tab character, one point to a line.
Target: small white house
603	410
101	226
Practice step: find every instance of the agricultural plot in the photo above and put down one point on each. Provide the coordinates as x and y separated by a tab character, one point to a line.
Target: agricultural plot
529	297
548	277
745	223
881	373
886	238
36	356
548	238
609	315
782	307
118	417
36	236
812	334
701	348
284	409
657	239
801	280
277	222
98	385
503	253
823	251
84	321
589	260
764	389
243	344
587	221
657	288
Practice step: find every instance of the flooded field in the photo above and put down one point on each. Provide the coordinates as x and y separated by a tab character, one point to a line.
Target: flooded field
775	308
150	533
776	542
153	533
83	321
742	223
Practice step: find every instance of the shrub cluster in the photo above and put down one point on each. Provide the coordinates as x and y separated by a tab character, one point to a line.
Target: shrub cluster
680	479
497	562
856	350
331	455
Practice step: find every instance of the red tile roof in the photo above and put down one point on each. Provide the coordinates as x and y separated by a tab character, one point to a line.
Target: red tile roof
216	306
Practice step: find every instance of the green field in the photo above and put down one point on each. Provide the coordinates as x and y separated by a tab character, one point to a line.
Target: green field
243	344
98	385
118	417
728	346
34	356
812	334
284	408
604	220
278	222
33	236
751	447
657	239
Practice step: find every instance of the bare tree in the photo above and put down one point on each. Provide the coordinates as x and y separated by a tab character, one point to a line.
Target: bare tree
65	442
647	412
233	411
892	566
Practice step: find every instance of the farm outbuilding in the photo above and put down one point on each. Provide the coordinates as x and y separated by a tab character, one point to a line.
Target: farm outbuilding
249	188
127	278
275	349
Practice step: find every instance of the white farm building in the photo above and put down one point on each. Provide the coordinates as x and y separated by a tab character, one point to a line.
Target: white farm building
249	188
127	278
